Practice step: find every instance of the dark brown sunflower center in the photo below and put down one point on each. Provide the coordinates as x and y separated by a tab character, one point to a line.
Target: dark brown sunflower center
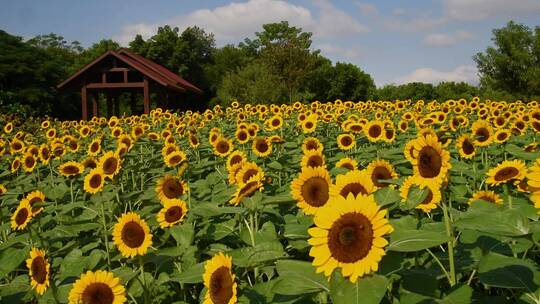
221	286
70	169
315	161
175	159
506	174
29	162
248	189
94	147
347	166
173	214
429	197
311	145
45	153
374	131
95	181
389	134
39	269
502	136
222	147
110	165
468	147
429	162
242	135
249	173
133	234
487	198
236	159
380	173
275	122
262	146
354	188
97	293
346	141
309	125
315	191
482	134
172	188
350	238
21	216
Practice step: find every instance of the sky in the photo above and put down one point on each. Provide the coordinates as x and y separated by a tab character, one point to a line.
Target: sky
396	41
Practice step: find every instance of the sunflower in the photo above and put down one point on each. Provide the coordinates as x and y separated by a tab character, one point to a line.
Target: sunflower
242	136
94	181
110	163
193	141
313	159
233	171
311	143
381	170
94	147
39	270
223	146
246	189
219	280
489	196
348	234
433	197
347	163
172	213
170	187
482	132
262	147
506	171
8	128
132	235
175	158
33	198
501	136
374	130
311	189
15	164
346	141
309	125
96	288
431	162
89	162
353	182
44	154
234	158
29	162
71	168
247	171
465	146
22	216
3	189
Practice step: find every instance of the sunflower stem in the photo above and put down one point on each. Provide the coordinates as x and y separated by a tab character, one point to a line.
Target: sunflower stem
105	233
507	192
446	274
450	234
143	279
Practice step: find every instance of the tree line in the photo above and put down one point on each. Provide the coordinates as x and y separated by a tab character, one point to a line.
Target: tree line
279	65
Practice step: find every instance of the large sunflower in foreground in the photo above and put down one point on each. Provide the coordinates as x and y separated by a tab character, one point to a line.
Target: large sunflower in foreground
170	187
172	213
39	270
94	181
311	189
132	235
506	171
349	235
97	288
432	199
22	216
430	161
219	280
381	170
356	182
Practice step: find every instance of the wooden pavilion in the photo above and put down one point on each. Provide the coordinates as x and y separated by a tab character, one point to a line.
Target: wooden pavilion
121	71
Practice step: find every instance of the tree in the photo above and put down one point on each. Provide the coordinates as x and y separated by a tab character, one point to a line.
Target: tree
255	83
348	82
93	52
455	90
513	63
413	91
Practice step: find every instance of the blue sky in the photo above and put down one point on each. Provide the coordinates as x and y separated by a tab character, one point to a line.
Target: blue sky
395	41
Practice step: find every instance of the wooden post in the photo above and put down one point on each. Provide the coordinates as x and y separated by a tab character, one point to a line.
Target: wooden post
125	76
146	96
84	102
103	77
95	98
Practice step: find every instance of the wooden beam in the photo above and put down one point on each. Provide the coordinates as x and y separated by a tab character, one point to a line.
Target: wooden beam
115	85
84	102
125	76
115	69
95	98
103	77
146	96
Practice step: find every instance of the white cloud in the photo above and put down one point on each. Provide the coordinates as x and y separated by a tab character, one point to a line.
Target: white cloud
340	52
237	20
367	8
417	24
482	9
442	39
466	73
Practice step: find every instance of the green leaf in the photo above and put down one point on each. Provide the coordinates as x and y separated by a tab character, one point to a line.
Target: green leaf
498	270
366	290
387	196
261	253
275	165
220	230
11	258
409	240
282	198
416	197
462	294
298	277
507	222
192	275
183	234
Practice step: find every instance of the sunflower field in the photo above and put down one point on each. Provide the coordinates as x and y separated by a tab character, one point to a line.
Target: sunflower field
338	202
